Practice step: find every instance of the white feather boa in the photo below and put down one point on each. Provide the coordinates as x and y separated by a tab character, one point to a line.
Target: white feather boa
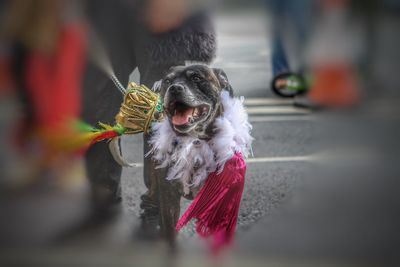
191	160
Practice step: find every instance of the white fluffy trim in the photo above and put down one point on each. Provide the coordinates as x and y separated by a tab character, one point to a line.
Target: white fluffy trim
190	159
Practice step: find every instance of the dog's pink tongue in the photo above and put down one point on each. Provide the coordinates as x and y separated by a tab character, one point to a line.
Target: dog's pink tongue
181	118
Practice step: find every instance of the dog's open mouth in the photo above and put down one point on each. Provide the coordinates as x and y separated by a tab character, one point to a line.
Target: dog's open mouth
183	115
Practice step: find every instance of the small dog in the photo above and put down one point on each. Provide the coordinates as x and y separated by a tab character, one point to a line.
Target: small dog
205	127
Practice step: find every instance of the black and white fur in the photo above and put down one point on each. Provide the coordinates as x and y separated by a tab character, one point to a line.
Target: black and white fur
190	159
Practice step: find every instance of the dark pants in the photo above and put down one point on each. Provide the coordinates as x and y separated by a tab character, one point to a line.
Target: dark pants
293	17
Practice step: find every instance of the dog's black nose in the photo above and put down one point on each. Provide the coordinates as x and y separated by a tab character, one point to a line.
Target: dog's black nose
175	89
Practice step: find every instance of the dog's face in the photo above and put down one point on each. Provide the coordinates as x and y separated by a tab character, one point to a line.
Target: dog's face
192	98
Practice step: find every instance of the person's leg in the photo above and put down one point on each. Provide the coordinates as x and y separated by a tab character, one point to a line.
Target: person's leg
101	99
104	176
279	61
292	25
301	16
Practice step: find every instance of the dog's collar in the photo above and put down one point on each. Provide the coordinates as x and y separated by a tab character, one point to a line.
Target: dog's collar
191	159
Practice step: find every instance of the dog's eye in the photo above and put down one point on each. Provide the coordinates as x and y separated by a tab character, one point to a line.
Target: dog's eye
167	81
195	78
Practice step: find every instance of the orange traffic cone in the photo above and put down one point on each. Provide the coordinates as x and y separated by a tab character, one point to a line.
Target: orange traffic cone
334	86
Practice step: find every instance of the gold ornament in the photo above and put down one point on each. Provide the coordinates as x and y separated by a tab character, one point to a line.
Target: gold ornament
140	108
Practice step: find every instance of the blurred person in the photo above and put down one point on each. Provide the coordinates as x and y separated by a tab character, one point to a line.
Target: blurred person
44	62
152	36
44	52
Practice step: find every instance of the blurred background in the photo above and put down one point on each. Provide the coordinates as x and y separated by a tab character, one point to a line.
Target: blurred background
320	81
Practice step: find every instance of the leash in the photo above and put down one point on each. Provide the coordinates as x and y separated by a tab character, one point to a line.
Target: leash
100	58
118	84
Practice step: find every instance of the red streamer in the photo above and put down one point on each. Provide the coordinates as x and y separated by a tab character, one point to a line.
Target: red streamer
216	207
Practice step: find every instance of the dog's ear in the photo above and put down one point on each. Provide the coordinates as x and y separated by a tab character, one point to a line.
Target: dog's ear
223	80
